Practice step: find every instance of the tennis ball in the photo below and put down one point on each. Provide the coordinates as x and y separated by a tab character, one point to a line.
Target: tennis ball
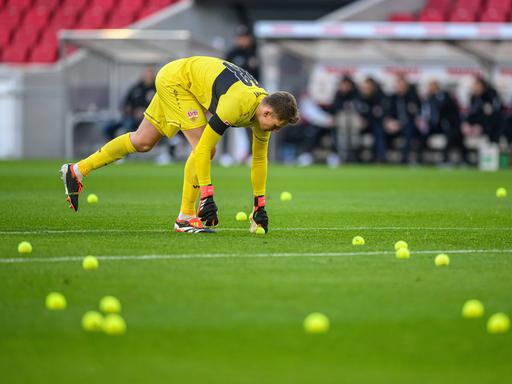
501	193
316	323
442	260
358	240
24	247
472	309
402	253
114	324
286	196
110	304
241	216
92	198
55	301
89	263
92	321
401	244
498	323
260	230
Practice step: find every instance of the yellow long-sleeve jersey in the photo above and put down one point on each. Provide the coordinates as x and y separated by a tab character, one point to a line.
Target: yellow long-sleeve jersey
230	93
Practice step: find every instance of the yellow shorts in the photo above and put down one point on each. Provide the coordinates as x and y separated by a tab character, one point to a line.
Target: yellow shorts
173	108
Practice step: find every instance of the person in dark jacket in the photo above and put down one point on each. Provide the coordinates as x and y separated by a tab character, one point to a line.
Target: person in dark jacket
485	113
345	95
244	52
371	106
402	114
135	103
442	115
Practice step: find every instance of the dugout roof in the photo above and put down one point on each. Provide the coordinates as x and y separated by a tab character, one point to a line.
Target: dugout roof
384	43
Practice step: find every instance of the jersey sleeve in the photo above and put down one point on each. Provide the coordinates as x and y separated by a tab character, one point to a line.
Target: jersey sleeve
227	114
259	164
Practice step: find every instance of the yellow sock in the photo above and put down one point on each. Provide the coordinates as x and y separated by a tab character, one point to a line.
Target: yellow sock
110	152
190	187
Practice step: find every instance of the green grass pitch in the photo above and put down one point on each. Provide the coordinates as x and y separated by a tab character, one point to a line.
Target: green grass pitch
228	307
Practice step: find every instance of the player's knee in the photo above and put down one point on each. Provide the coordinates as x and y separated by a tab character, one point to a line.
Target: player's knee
142	146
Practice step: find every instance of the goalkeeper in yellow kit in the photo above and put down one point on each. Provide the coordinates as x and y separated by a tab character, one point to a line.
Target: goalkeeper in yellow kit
185	90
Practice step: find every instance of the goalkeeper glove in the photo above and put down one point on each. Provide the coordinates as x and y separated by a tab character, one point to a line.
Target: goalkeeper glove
259	215
207	208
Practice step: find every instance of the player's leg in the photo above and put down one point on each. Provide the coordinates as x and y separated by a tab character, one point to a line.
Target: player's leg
142	140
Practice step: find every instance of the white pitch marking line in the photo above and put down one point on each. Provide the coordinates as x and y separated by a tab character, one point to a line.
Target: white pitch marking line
238	255
64	231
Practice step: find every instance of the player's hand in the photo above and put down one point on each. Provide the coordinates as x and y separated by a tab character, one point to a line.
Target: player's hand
259	215
207	208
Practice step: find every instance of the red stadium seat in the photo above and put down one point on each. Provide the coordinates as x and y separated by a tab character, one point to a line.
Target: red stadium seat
463	15
36	17
15	54
78	4
500	5
18	4
5	36
8	20
48	4
402	17
25	37
93	18
64	18
161	3
431	15
107	4
44	54
132	5
121	18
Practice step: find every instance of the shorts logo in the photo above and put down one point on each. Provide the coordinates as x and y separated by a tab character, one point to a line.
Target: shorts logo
193	114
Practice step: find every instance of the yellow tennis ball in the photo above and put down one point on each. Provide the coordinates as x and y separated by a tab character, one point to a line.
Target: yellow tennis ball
92	321
358	240
110	304
403	253
285	196
501	193
260	230
92	198
90	263
55	301
316	323
401	244
442	260
24	247
241	216
472	309
498	323
114	324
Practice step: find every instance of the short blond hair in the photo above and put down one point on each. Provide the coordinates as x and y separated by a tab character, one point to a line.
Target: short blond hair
284	105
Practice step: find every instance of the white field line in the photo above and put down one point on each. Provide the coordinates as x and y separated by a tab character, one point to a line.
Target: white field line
29	259
78	231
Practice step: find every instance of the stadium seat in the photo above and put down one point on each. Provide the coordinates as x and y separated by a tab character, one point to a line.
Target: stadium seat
106	4
499	5
402	17
48	4
14	54
5	36
149	10
18	4
463	15
431	15
92	18
133	5
25	36
37	17
44	54
121	17
64	18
